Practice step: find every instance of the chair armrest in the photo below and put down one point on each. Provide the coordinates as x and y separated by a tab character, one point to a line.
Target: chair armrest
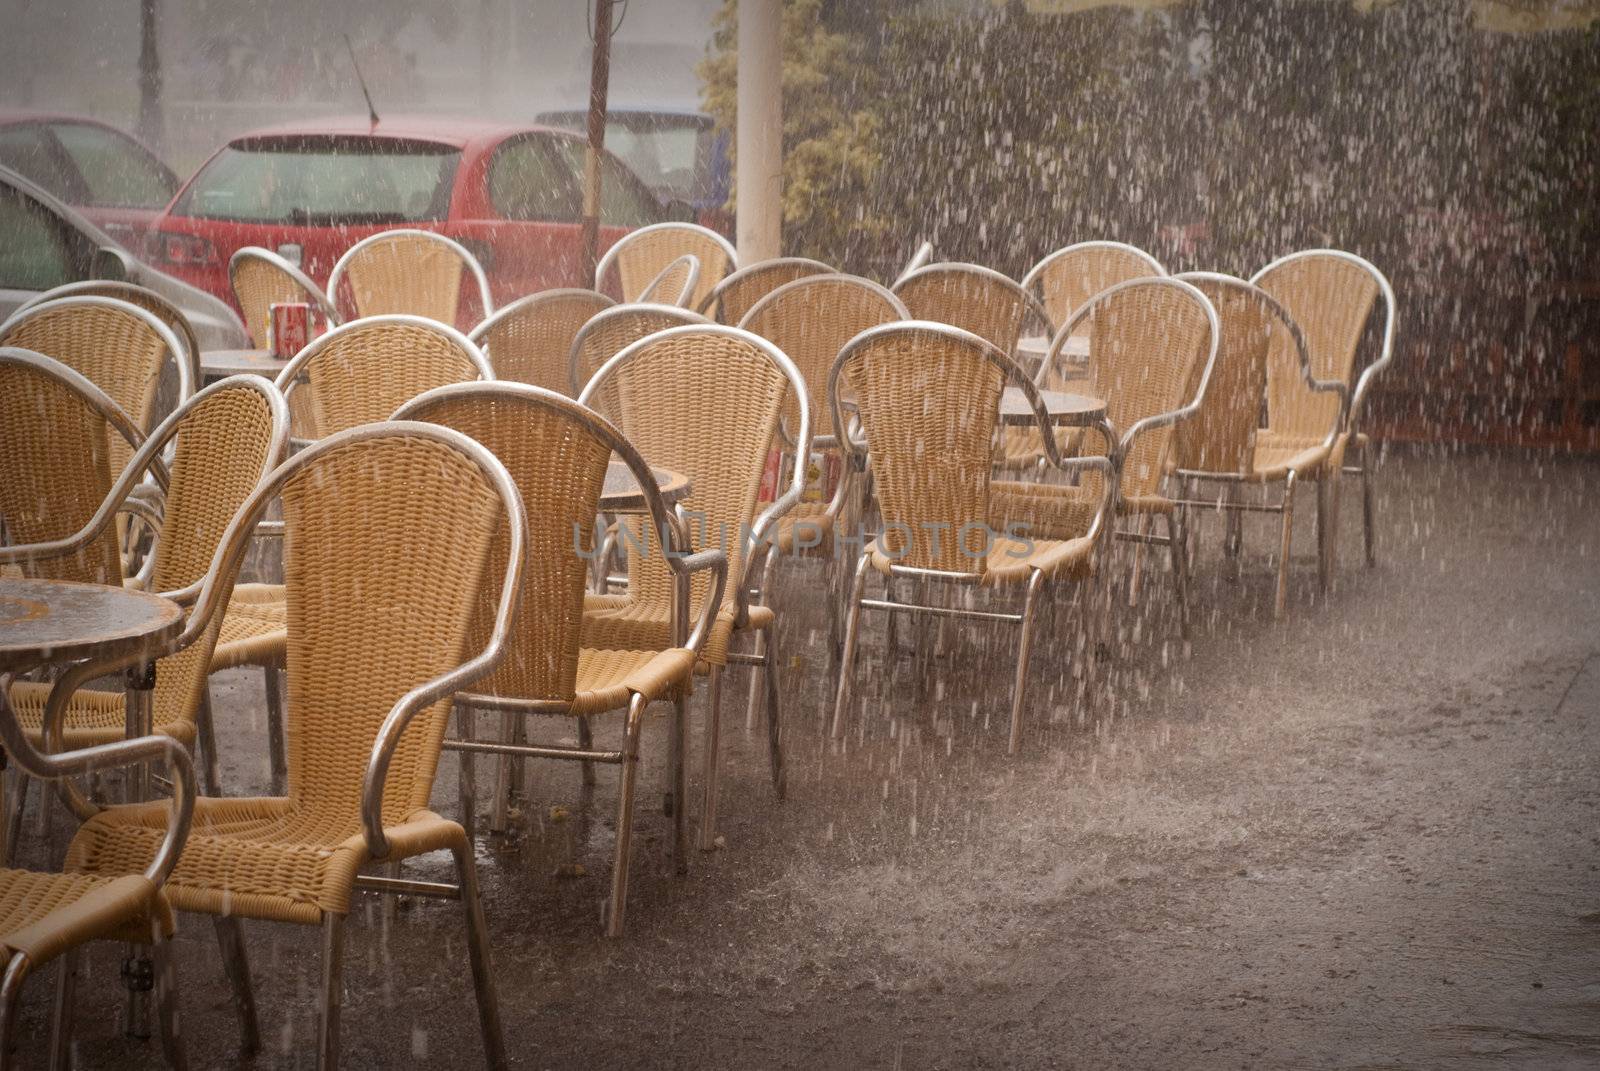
61	766
715	560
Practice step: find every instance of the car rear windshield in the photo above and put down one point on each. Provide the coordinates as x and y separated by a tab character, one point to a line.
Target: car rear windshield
319	181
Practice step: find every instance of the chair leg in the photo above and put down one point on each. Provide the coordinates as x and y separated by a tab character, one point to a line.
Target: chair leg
769	674
617	908
708	773
16	803
768	566
678	799
834	578
61	1016
167	1013
1024	650
277	752
10	990
494	1045
332	990
236	965
1282	602
1135	576
586	742
1233	537
502	779
467	776
206	730
852	635
1178	539
1324	531
1368	512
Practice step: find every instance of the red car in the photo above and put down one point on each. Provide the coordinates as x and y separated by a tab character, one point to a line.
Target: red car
511	194
108	176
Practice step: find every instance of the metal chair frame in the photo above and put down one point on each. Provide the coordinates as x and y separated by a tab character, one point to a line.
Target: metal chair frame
711	306
529	305
1031	305
613	254
685	318
752	539
688	264
919	259
1106	465
674	538
1033	281
140	297
468	261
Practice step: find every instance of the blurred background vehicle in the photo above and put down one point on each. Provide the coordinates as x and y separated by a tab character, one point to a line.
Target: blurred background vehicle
45	244
677	152
512	194
107	175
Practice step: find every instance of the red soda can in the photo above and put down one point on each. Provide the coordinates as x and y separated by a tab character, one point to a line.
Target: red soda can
290	328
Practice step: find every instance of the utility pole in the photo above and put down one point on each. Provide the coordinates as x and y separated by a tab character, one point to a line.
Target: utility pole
759	152
599	83
151	127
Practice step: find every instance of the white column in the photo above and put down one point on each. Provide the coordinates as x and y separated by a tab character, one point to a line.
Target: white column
760	135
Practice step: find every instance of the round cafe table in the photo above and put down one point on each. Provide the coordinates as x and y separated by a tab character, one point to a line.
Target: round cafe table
1064	410
216	364
58	621
1031	350
622	493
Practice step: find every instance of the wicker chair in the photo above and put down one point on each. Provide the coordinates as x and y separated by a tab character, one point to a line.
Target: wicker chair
705	401
146	299
1065	280
364	370
530	340
558	453
928	396
1330	294
408	272
971	297
50	916
922	256
1219	444
737	294
261	278
610	332
118	347
675	284
1147	339
389	534
639	256
224	441
810	320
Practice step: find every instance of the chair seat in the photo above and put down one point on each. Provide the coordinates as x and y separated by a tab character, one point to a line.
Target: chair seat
1276	455
44	915
1012	561
93	716
808	518
617	622
608	680
255	628
268	858
1058	511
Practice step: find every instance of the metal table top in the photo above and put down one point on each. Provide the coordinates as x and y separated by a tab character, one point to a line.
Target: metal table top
622	493
1065	410
44	621
214	364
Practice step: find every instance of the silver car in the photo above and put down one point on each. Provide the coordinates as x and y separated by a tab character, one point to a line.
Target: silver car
44	244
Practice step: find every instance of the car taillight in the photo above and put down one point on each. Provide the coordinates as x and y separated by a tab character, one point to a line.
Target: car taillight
181	250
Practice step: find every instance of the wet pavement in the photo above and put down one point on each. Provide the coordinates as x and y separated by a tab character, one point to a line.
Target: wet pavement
1367	836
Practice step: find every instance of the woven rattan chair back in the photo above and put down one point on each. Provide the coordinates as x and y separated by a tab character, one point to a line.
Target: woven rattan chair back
1221	436
811	319
261	279
530	340
55	467
364	370
1065	280
146	299
738	293
675	284
120	348
407	272
1330	295
968	296
614	330
704	401
557	451
927	395
639	256
1146	337
386	539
